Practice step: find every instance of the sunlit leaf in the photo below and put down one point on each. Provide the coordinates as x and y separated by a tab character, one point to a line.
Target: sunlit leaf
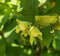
3	1
19	7
41	2
23	25
45	20
31	40
17	29
35	32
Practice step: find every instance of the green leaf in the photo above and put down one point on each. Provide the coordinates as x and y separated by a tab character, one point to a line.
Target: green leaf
12	51
57	27
57	34
56	8
29	7
4	19
21	17
56	44
2	47
9	31
47	54
47	37
4	9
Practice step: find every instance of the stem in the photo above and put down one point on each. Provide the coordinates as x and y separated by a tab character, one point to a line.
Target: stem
38	52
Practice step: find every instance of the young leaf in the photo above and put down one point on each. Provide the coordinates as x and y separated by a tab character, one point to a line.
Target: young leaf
31	40
35	32
17	29
45	20
41	2
23	25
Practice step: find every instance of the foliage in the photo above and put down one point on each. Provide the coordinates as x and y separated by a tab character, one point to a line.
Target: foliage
29	28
